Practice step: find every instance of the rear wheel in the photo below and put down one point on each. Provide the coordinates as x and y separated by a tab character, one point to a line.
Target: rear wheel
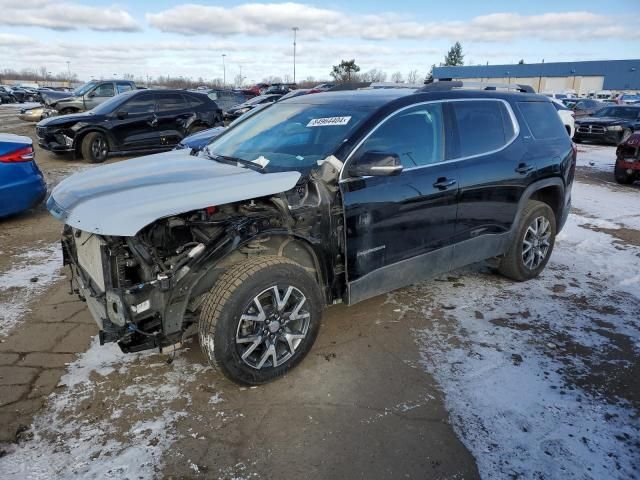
621	176
260	319
532	244
95	148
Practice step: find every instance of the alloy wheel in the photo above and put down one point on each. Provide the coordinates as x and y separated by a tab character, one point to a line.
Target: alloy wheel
99	148
536	242
272	327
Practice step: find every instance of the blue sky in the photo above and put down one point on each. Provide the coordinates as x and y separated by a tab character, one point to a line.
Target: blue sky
103	38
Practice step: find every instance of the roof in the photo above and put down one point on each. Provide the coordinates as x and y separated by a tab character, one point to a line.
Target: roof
618	74
364	98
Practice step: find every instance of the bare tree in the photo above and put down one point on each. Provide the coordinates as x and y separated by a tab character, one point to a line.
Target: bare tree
374	75
412	77
396	77
287	78
238	80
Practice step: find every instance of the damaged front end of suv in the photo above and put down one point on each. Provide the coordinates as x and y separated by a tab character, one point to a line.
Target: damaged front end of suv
145	290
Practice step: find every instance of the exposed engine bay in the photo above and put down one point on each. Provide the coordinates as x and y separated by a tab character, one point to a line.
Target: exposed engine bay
145	291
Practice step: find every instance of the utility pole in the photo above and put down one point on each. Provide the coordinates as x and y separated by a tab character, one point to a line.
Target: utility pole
68	73
224	71
295	31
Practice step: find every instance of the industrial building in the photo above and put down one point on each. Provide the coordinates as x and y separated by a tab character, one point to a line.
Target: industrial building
581	77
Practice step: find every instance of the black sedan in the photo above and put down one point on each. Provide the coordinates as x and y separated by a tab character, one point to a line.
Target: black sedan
132	122
235	112
612	124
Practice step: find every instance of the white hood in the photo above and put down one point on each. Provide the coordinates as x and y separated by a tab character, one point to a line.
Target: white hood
122	198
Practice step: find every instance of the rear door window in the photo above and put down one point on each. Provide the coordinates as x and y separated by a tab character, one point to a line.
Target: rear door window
140	104
123	87
171	101
483	126
543	120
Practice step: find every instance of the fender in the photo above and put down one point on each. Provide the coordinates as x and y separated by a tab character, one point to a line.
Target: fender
202	273
530	191
77	140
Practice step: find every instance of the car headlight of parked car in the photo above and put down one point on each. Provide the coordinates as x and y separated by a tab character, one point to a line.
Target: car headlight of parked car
615	128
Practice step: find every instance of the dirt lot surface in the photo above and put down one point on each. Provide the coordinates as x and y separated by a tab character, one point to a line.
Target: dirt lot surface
465	376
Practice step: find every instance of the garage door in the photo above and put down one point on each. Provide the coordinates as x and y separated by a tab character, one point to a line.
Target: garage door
590	84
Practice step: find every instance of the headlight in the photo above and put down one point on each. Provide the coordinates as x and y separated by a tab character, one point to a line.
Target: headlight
615	128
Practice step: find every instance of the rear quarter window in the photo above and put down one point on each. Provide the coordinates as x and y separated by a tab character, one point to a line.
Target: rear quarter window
543	120
483	126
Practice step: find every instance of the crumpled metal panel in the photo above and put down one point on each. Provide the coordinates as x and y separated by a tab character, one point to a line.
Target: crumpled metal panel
122	198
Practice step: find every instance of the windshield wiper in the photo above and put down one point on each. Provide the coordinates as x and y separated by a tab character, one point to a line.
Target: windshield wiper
232	160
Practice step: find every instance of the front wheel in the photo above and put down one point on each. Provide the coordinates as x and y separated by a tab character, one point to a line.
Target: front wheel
532	243
260	319
95	147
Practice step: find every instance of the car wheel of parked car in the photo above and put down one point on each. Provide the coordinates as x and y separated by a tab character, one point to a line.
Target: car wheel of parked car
67	111
95	147
621	176
532	244
260	319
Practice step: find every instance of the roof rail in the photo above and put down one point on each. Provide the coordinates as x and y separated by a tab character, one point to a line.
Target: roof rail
445	85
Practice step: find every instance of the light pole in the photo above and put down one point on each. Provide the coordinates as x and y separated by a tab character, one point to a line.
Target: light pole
69	72
224	71
295	31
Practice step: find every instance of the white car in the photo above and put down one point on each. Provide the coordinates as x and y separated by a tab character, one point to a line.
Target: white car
566	115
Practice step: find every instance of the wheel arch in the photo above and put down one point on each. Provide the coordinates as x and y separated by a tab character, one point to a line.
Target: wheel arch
550	191
79	138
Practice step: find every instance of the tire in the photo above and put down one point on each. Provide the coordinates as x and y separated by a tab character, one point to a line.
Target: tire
95	147
67	111
237	294
621	176
517	264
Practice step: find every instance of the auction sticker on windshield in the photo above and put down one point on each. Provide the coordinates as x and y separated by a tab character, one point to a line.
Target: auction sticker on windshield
328	121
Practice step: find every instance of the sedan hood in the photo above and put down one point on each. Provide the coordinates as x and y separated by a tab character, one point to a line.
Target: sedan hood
122	198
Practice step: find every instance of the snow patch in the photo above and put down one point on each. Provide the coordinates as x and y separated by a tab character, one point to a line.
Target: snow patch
43	263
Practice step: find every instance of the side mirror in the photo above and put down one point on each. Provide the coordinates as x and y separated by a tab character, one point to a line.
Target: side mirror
122	114
373	163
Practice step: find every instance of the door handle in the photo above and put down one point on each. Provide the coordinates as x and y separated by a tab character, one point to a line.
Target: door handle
443	183
523	168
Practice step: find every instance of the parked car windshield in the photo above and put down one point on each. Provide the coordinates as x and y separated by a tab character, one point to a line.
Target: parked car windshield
291	136
84	88
629	113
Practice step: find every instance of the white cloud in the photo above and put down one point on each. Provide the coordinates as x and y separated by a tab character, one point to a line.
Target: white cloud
260	19
65	16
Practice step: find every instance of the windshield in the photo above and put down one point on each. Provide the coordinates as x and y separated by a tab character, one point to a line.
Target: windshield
618	112
290	136
84	88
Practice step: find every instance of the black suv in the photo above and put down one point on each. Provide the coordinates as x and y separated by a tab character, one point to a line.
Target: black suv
137	120
612	124
316	200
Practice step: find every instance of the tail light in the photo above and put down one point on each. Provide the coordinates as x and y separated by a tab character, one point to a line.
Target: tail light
23	155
